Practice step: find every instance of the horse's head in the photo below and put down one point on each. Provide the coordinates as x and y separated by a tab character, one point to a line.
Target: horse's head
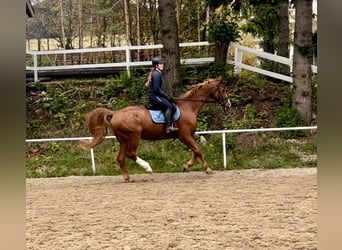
220	94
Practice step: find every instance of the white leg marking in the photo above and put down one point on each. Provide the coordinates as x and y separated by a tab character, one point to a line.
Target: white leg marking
144	164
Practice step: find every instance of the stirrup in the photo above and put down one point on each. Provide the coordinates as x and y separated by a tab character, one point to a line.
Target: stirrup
171	129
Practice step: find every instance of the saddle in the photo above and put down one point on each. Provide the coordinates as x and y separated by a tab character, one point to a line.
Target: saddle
158	116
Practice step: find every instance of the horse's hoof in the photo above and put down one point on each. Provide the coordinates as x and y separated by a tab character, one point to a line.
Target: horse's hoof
128	180
184	170
208	171
149	177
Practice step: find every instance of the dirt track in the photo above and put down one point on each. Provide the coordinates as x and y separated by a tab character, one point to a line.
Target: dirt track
250	209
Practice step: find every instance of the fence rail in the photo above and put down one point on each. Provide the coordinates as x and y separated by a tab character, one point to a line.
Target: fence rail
238	62
222	132
238	50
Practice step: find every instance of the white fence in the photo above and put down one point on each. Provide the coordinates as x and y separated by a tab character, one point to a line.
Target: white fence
222	132
240	50
238	55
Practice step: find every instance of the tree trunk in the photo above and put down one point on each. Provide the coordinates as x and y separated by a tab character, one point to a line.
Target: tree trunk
198	21
127	23
91	23
178	10
62	28
153	20
284	31
138	29
268	46
80	28
284	37
302	60
170	49
69	25
221	50
207	21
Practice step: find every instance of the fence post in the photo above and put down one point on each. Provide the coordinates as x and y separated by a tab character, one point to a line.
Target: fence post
35	65
224	150
237	60
92	160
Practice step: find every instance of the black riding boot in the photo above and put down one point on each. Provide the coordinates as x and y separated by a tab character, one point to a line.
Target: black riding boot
168	120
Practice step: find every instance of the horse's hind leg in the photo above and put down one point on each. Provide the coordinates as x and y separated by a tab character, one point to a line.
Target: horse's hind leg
132	154
196	153
121	158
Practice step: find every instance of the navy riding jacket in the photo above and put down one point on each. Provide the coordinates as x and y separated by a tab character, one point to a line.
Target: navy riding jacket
156	94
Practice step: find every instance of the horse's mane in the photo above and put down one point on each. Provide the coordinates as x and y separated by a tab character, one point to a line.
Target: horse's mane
194	88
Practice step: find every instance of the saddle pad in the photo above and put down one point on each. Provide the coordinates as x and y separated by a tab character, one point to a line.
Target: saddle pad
158	116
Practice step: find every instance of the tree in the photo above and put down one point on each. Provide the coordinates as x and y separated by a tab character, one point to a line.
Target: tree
223	29
284	30
190	15
80	28
62	28
152	18
170	40
127	22
268	20
138	27
302	59
283	45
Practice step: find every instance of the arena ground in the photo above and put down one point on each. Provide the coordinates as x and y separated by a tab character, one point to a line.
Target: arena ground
247	209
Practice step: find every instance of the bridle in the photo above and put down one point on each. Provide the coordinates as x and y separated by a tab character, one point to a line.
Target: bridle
220	101
193	100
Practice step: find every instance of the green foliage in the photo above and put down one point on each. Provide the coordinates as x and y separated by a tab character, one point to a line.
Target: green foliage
289	117
125	85
64	159
202	123
193	75
224	27
217	3
249	121
35	86
59	106
263	22
111	89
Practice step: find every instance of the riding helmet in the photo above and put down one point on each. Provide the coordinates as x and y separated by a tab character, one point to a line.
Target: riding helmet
157	60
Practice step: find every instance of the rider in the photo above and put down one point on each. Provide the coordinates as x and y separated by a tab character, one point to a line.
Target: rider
157	96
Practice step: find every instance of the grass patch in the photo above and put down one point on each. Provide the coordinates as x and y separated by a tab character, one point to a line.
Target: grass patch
56	159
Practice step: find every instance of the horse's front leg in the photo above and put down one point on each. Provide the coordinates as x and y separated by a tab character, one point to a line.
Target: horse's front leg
196	153
190	163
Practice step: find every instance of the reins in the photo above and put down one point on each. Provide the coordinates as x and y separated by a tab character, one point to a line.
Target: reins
195	100
192	100
220	102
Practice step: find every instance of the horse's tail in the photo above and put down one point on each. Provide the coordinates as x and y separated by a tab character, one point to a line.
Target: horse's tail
98	122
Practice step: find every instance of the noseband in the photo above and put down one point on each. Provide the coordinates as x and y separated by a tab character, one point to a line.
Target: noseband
220	100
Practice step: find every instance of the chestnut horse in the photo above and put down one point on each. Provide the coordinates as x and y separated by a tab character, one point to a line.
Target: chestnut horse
133	123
